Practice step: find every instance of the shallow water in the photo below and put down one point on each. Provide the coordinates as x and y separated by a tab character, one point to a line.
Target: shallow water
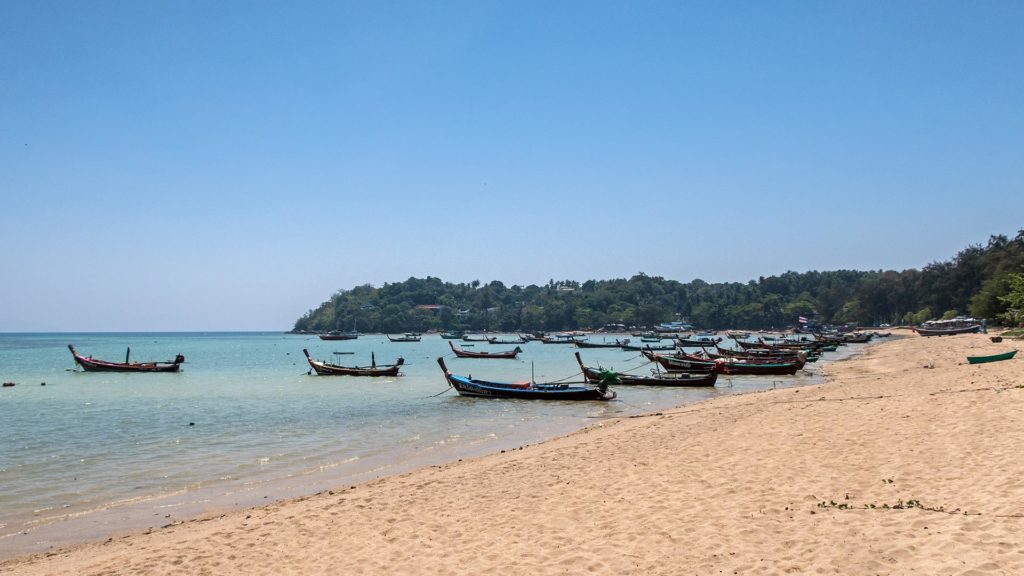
89	455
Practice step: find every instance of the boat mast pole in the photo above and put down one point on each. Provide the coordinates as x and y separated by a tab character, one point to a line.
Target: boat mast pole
127	354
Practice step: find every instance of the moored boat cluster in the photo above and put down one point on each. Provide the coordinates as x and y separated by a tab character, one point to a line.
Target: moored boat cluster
675	364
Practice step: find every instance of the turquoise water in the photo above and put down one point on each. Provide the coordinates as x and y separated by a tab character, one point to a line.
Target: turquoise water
92	454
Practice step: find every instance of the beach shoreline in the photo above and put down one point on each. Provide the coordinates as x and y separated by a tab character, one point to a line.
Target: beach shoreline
884	468
60	511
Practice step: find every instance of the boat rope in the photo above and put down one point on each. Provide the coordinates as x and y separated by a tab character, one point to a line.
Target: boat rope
441	392
628	370
573	375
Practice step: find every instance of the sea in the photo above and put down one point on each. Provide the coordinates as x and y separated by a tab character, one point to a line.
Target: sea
87	456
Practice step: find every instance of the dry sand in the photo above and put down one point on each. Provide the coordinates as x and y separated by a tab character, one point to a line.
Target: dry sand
732	486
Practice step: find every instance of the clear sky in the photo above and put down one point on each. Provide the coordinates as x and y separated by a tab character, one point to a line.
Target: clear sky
188	165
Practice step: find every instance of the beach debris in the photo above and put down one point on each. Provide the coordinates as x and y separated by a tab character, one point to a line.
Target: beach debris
899	505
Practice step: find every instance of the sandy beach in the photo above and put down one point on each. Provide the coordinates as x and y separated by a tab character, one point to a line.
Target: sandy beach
906	461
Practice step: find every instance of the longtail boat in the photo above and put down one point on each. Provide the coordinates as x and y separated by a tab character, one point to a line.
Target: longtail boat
595	375
949	327
406	338
747	359
453	335
781	354
589	344
802	356
775	346
677	364
509	354
468	386
631	348
339	336
947	331
326	369
89	364
696	342
991	358
689	363
516	340
559	339
752	366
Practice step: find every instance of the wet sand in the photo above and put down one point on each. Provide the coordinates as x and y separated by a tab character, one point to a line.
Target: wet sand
907	460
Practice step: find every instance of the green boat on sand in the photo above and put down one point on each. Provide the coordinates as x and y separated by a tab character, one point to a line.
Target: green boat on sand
992	358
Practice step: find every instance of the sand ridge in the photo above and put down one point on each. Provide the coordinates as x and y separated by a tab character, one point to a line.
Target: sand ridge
812	480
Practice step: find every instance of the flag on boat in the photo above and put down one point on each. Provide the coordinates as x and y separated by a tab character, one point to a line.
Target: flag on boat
802	320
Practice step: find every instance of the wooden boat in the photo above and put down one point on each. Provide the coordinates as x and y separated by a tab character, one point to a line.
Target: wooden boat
858	337
800	359
992	357
89	364
949	327
509	354
325	369
631	348
947	331
517	340
689	363
752	366
467	338
406	338
696	342
559	339
676	364
339	336
595	375
775	346
468	386
453	335
588	344
781	354
803	356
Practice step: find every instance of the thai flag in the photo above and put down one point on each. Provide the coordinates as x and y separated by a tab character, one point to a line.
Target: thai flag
802	320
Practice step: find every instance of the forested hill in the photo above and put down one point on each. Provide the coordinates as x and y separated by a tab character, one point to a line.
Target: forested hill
980	280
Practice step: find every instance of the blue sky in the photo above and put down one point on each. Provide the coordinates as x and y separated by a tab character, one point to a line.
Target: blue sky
202	166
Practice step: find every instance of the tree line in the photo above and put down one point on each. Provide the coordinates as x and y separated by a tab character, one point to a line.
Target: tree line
986	281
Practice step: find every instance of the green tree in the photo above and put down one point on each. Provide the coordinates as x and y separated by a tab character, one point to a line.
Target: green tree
1014	300
989	302
918	317
976	279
